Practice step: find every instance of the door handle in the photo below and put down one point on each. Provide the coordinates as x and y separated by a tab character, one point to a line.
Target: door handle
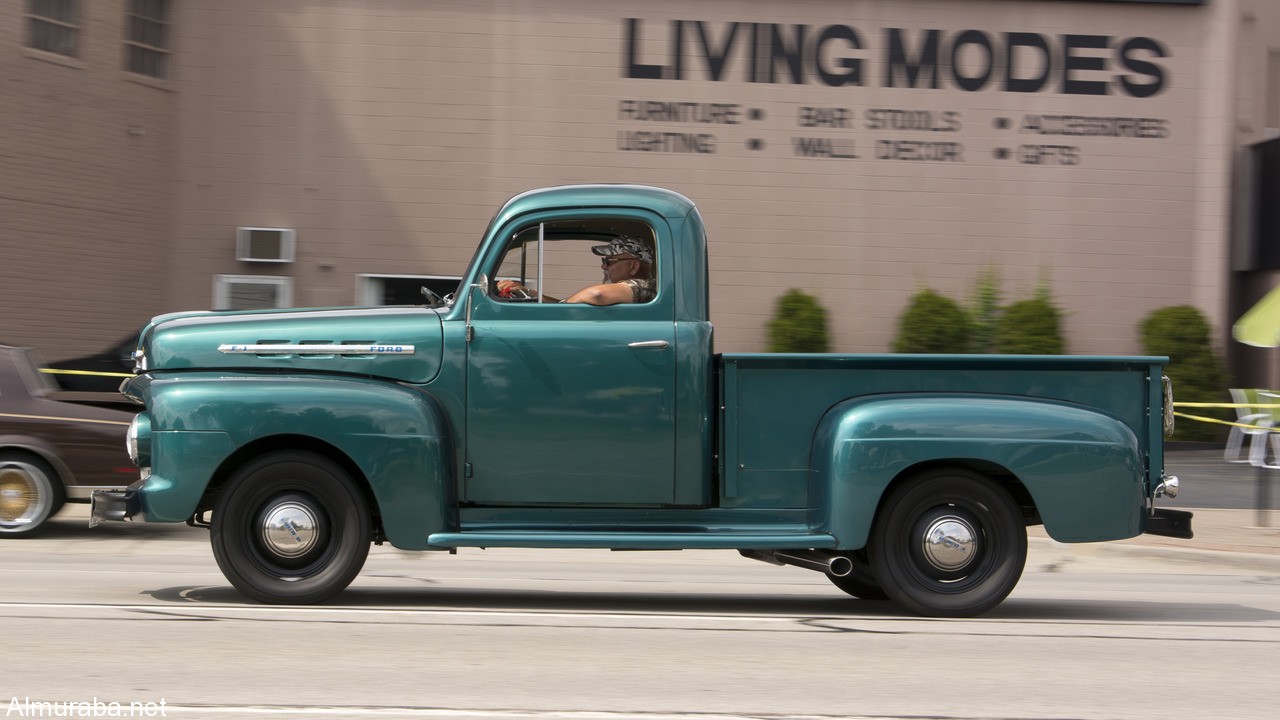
654	344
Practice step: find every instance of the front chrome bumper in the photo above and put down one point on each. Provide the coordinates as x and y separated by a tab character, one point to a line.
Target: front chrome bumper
115	505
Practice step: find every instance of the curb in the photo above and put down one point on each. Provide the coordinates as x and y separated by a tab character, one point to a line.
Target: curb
1191	556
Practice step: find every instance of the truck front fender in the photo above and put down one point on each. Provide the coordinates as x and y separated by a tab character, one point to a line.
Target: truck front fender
395	436
1083	469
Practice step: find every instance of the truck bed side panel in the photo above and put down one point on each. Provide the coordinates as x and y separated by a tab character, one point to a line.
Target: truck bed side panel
1082	468
773	405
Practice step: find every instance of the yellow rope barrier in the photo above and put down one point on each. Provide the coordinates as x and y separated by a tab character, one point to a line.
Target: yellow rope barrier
51	371
1227	405
1216	421
20	416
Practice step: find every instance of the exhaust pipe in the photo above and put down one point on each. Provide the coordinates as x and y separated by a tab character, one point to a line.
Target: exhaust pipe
823	561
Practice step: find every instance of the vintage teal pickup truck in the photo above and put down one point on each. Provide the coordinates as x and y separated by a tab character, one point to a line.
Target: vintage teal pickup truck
502	417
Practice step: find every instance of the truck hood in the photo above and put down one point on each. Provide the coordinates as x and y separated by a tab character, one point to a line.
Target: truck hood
397	343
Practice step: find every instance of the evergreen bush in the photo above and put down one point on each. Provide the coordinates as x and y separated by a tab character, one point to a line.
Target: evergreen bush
1030	327
984	311
799	324
933	324
1182	333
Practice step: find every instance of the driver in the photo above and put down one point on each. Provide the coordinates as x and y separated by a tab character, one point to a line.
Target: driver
628	274
627	263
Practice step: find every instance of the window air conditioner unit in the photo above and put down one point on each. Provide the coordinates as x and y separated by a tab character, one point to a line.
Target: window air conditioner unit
259	244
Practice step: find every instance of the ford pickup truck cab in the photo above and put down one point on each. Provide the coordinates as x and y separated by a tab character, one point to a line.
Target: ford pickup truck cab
510	419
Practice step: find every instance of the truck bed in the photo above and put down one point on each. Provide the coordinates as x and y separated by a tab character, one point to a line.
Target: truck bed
773	403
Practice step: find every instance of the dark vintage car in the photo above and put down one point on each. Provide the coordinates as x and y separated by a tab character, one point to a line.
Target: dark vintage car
100	372
55	446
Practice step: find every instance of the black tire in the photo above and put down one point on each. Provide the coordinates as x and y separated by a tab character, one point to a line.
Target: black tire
30	493
290	528
860	583
977	552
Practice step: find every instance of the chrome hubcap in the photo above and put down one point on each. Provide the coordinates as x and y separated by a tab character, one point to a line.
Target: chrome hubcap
290	529
950	543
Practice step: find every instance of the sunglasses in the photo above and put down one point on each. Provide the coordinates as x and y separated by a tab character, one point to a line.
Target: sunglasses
609	261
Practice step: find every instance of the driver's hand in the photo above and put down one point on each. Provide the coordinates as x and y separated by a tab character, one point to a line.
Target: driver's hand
507	288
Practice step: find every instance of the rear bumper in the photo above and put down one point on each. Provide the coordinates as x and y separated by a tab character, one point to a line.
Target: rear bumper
115	505
1169	523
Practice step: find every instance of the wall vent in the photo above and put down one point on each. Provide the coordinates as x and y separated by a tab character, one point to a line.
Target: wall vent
260	244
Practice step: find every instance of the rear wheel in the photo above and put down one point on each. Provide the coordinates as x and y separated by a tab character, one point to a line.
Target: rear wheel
291	528
950	543
30	493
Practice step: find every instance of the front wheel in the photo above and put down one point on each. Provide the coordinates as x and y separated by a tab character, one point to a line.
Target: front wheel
949	543
290	528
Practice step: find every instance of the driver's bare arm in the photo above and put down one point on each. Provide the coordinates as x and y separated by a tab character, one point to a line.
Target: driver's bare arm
604	294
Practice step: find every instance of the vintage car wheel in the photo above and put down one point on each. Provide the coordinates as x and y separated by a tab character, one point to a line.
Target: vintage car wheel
30	493
290	528
860	583
949	543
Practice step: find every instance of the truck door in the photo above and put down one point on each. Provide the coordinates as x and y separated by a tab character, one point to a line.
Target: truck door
569	404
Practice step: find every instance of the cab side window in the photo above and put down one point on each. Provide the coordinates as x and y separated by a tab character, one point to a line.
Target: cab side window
596	261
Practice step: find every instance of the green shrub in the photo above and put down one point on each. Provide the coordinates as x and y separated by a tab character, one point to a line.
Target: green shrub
1030	327
1182	333
984	311
933	324
799	324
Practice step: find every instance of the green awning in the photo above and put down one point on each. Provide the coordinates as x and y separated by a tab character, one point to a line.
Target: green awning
1260	326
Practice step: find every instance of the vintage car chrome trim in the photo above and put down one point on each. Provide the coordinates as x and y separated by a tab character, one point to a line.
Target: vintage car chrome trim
292	349
85	492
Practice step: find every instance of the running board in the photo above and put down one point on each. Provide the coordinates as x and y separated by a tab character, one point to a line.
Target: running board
630	540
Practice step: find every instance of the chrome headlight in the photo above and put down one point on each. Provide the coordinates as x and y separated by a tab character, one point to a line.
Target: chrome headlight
138	440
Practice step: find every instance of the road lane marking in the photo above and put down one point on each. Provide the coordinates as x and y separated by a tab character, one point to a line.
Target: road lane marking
340	711
294	610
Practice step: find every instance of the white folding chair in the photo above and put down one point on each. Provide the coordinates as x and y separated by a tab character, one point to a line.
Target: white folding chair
1258	448
1255	436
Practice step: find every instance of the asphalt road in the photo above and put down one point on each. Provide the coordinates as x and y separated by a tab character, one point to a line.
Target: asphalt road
140	614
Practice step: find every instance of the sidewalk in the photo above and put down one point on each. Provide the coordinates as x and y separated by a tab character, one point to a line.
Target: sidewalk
1223	537
1228	537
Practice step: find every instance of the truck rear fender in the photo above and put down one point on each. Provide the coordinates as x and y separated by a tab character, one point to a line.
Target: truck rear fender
393	439
1080	471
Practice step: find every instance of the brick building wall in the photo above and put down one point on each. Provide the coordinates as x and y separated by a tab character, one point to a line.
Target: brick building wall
386	132
86	159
